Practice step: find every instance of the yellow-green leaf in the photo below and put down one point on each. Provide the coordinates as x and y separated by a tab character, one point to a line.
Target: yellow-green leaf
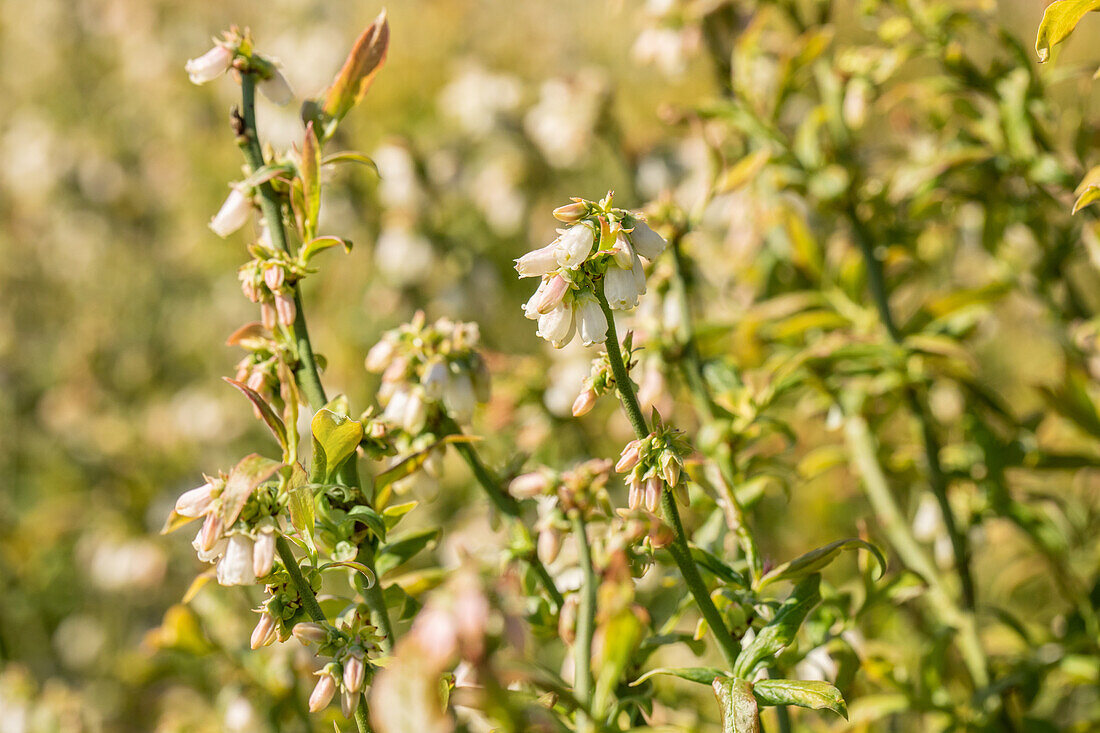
243	480
1059	20
812	694
335	438
739	711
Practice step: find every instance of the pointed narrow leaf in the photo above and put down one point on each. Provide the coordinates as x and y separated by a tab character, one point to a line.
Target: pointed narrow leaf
782	629
174	522
812	694
303	510
350	157
739	711
399	551
815	560
702	675
319	244
253	470
310	171
356	566
266	413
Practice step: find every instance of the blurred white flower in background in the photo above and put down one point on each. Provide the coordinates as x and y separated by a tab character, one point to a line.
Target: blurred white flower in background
562	122
398	185
403	255
476	97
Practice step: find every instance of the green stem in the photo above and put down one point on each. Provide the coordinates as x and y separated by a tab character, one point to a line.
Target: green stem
376	601
504	502
679	549
586	619
937	481
305	591
249	141
704	403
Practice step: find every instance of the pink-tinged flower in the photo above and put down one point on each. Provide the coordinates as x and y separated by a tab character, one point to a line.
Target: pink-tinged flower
265	632
567	619
380	355
557	326
584	403
638	270
348	701
552	294
591	321
574	246
538	262
309	632
623	252
256	381
636	495
210	65
620	287
630	456
548	545
530	308
436	634
647	243
196	502
323	692
652	492
276	88
459	398
354	673
268	316
274	277
211	531
233	213
263	554
670	469
529	485
285	308
235	567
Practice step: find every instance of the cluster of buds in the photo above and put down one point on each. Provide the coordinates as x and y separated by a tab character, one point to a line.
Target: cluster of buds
258	370
601	247
601	379
427	370
269	279
654	462
244	546
349	645
582	488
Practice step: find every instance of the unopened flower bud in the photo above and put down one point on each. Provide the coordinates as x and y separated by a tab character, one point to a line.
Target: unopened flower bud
653	488
276	88
309	632
348	701
256	381
211	531
233	213
434	379
323	692
636	496
630	456
265	632
268	316
584	403
285	308
548	545
670	469
571	213
354	673
263	554
210	65
552	294
380	355
529	485
195	502
274	277
567	619
538	262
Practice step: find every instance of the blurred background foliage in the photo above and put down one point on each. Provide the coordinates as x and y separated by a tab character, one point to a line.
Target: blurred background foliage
117	300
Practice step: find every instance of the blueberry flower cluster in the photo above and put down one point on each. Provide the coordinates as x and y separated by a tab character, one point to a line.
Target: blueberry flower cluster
598	254
653	462
350	646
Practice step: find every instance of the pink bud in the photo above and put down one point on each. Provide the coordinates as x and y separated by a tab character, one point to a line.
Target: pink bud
309	632
548	545
571	213
634	500
263	554
211	532
630	456
380	355
323	692
528	485
233	213
354	673
268	316
567	619
195	502
210	65
264	634
348	701
584	403
671	470
274	277
285	308
256	381
652	493
552	294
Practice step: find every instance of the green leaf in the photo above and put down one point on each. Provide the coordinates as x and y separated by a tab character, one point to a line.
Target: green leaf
720	569
739	711
1088	190
350	157
319	244
410	463
815	560
303	510
274	423
743	171
310	171
394	514
355	77
396	553
621	634
1059	20
253	470
335	438
702	675
803	693
356	566
782	629
368	516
